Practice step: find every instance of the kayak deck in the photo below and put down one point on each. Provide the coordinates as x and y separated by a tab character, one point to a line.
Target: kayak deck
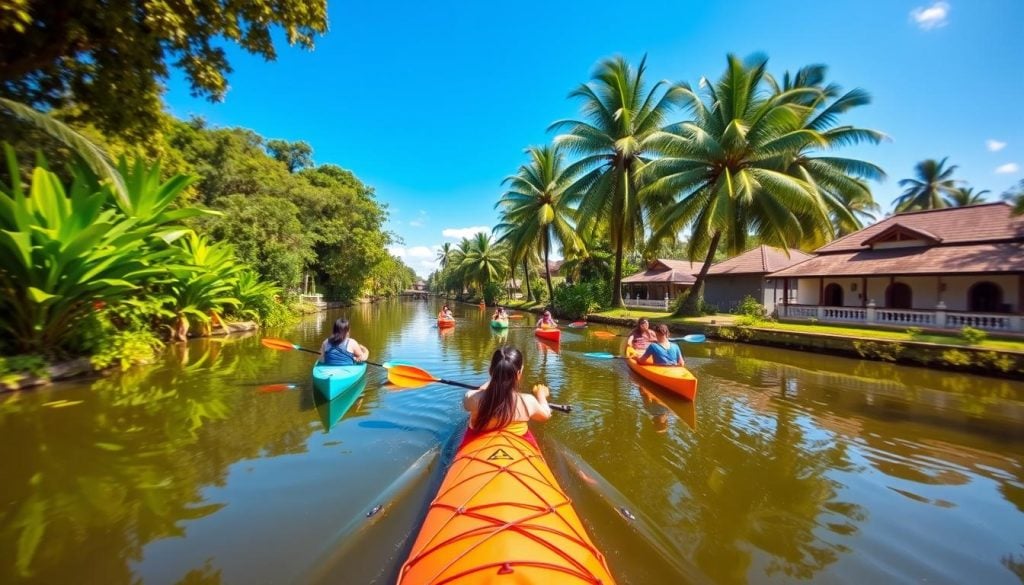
677	379
331	381
549	333
500	517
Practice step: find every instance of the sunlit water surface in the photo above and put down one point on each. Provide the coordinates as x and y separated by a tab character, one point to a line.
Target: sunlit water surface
206	468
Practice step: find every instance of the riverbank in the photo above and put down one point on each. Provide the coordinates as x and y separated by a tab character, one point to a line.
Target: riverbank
1000	357
42	373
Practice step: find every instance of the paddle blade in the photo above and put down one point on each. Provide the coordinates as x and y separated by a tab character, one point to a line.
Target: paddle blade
408	376
578	324
604	334
278	344
267	388
515	316
600	355
695	338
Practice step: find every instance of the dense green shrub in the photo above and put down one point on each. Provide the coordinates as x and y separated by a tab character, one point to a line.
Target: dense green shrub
972	336
493	292
751	308
539	290
578	300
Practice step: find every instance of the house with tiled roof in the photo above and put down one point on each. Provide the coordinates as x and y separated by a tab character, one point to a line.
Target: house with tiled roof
661	284
940	269
728	282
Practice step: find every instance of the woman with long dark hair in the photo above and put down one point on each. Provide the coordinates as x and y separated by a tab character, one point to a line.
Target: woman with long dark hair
341	350
499	404
641	336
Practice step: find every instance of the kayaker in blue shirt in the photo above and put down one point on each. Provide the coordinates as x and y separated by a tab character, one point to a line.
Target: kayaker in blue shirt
663	352
341	350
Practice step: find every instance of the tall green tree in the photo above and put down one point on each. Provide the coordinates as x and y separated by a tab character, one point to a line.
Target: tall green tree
111	59
844	179
725	174
444	255
295	155
965	197
1015	197
482	261
614	141
536	207
933	181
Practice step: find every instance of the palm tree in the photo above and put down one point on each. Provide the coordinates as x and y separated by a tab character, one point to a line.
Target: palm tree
614	142
851	203
444	255
536	205
726	173
482	261
965	197
933	182
520	249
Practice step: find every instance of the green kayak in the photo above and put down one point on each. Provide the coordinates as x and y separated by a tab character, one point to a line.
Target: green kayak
498	324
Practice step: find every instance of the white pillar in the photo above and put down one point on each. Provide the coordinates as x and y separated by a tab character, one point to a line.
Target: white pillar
940	315
869	313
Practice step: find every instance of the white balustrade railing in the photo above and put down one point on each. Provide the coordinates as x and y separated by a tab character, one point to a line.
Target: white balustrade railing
905	317
985	321
843	314
647	303
937	319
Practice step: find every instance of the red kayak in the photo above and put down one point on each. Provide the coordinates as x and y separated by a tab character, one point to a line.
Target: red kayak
549	333
444	323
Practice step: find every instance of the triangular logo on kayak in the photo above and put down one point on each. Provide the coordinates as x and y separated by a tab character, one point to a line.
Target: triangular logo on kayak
499	454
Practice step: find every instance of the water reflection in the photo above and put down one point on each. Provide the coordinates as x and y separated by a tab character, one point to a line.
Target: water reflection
803	466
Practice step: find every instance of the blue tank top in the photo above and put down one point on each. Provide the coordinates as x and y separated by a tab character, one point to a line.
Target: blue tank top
338	355
662	356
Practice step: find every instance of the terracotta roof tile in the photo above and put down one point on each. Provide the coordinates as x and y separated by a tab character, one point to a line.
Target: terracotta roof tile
954	225
760	260
1005	257
664	270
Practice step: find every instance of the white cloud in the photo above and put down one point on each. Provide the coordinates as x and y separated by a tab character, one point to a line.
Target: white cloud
421	219
468	232
934	16
1007	169
994	145
420	252
396	250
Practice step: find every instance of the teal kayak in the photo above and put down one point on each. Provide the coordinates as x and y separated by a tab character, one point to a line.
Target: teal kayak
331	381
331	411
499	324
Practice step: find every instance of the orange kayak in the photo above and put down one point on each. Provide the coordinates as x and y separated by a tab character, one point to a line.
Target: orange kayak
676	379
442	323
549	333
500	517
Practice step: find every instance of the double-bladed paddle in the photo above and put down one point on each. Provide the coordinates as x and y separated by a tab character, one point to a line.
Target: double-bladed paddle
693	338
399	374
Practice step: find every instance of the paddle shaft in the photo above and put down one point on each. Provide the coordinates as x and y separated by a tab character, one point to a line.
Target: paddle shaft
558	407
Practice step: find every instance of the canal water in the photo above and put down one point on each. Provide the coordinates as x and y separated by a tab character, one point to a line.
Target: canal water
216	464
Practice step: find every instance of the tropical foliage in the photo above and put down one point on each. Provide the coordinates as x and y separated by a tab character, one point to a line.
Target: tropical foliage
744	166
108	61
615	140
966	196
933	182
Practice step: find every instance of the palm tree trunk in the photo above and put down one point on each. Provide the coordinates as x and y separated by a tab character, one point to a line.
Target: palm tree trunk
617	278
529	290
689	305
547	273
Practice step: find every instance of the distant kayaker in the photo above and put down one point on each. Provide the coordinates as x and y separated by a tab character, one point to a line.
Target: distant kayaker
641	336
546	322
662	352
499	404
341	350
499	315
445	313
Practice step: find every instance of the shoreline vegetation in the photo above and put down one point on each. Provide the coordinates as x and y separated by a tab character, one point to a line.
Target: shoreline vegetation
999	357
206	231
749	159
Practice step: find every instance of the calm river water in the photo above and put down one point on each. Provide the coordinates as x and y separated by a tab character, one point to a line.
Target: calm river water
205	469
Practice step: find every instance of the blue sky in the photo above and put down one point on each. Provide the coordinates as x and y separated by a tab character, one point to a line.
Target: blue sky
433	103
